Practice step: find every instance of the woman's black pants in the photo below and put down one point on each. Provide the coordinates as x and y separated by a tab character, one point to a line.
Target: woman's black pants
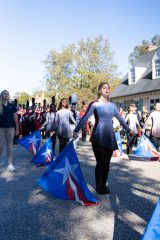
131	141
103	157
62	142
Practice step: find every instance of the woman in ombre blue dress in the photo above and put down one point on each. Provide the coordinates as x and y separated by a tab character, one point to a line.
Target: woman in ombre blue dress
103	137
63	129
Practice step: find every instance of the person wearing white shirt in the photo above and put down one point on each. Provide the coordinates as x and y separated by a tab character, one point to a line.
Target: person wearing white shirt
154	119
50	124
134	125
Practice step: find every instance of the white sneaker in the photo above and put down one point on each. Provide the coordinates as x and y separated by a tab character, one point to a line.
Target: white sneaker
11	168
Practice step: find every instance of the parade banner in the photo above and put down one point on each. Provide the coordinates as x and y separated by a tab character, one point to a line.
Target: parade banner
44	155
146	149
64	179
152	231
118	152
31	142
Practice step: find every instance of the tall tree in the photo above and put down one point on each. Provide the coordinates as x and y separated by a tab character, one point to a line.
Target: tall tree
23	97
156	40
143	48
80	67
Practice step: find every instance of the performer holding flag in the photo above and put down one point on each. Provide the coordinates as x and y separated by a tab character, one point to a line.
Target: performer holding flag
63	128
103	137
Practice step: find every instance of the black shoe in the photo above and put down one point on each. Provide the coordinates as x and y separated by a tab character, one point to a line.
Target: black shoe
102	189
106	189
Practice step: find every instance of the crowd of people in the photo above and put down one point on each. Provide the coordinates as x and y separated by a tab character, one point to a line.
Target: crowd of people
18	120
141	122
99	119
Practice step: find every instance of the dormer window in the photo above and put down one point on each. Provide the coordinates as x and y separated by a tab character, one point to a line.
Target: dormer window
157	68
132	75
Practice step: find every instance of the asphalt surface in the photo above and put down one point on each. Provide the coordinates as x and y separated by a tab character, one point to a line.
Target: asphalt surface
29	213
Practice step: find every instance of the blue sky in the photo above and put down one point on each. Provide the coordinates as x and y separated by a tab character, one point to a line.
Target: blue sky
30	28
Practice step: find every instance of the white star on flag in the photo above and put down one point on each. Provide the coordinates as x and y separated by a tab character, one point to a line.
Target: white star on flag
33	139
47	152
68	169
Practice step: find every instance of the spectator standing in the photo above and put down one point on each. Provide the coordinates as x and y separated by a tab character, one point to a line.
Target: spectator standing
133	123
8	126
154	119
85	125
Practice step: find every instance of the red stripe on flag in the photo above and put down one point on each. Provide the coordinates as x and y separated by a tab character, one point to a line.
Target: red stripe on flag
71	194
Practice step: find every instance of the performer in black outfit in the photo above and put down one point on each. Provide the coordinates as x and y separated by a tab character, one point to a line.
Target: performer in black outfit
103	136
32	117
25	121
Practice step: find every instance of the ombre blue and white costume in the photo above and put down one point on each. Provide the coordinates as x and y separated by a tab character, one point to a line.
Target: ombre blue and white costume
63	128
103	132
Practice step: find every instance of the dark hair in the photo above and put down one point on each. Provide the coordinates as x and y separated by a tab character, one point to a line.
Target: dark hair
52	105
60	104
101	86
1	107
84	102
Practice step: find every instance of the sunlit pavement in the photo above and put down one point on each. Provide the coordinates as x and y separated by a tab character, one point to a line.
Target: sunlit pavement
29	213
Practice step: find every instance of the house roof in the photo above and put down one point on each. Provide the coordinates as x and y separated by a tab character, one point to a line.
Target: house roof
145	84
142	86
145	60
148	73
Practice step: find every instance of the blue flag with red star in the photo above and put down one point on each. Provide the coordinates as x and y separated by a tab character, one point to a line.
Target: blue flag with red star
152	231
146	149
64	179
44	155
31	142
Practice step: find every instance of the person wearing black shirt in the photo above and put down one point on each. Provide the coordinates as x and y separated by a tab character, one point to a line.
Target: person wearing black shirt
8	126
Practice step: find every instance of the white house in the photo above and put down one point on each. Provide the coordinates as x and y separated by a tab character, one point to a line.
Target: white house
141	84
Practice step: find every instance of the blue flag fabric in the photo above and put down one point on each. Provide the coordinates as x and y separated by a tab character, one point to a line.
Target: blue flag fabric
64	179
118	152
152	231
146	148
44	155
31	142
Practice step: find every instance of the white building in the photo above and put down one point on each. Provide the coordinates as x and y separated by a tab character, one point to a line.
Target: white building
141	84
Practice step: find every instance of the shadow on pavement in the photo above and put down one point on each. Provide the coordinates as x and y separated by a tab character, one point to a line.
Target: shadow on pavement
29	213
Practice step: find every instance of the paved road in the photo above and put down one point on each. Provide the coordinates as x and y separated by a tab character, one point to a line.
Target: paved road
28	213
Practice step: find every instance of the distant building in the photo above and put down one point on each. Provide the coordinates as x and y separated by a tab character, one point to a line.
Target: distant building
141	84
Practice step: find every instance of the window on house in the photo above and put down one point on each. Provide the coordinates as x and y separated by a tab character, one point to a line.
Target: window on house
151	108
152	103
132	75
157	68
